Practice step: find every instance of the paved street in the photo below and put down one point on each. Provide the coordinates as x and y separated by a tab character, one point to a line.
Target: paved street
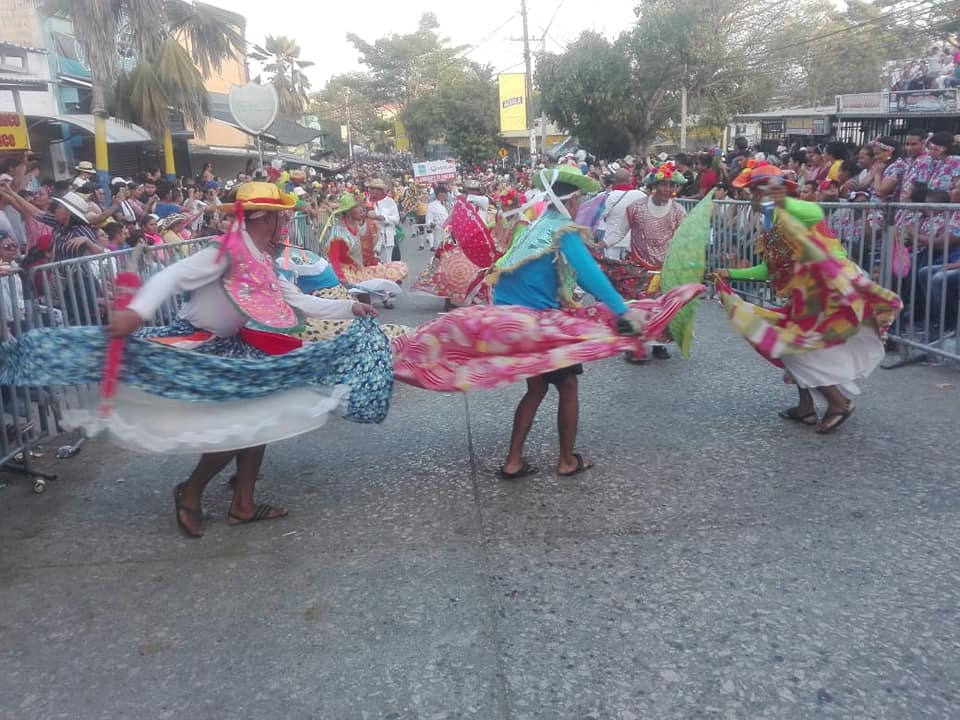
717	563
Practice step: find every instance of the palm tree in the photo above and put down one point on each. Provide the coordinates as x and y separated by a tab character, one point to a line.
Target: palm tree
281	58
175	44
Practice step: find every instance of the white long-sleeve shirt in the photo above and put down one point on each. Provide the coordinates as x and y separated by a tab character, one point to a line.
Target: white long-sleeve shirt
614	220
209	308
387	208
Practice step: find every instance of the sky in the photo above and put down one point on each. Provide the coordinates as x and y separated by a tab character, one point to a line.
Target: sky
321	28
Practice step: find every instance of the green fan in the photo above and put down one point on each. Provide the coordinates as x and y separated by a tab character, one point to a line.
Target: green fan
686	263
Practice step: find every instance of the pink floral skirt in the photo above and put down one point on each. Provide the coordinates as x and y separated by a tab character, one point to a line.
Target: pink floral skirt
487	346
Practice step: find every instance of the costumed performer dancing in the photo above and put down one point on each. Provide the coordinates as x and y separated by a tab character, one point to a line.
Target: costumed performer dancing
526	334
226	377
349	242
827	334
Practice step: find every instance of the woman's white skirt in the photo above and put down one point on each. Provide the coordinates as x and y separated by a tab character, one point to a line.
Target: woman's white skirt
840	365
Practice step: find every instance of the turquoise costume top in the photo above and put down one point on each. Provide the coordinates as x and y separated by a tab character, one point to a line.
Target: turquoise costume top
541	269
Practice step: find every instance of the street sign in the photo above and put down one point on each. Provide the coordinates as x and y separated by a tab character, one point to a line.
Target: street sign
503	152
13	132
254	106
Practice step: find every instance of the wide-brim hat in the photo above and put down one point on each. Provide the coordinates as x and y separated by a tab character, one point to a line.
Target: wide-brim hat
254	196
753	176
377	184
567	174
170	220
85	166
74	203
346	202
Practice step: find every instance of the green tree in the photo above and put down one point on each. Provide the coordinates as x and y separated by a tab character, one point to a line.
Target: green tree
173	42
468	114
403	67
367	117
281	57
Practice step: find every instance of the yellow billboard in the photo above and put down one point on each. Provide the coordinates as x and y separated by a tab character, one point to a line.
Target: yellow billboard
13	132
513	102
401	139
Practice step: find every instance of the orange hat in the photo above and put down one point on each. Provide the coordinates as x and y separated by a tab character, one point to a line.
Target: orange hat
760	173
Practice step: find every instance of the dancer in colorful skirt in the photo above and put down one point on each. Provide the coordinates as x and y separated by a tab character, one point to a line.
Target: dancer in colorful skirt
226	377
534	331
827	334
315	276
349	242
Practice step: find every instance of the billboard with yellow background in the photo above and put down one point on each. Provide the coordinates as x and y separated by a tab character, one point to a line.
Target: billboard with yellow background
513	102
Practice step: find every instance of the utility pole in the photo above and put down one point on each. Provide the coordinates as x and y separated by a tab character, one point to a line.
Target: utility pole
349	132
529	80
683	112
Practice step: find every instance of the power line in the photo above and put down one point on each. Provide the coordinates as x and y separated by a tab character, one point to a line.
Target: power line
489	37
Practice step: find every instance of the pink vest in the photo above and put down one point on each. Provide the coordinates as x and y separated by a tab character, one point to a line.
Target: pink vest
254	288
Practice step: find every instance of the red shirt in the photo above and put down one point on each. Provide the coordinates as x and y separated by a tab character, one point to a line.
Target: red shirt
708	180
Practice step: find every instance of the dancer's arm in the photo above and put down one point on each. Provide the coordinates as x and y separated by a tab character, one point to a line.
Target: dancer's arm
191	273
314	306
757	273
589	275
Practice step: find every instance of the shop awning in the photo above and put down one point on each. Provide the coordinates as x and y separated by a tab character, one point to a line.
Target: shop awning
117	133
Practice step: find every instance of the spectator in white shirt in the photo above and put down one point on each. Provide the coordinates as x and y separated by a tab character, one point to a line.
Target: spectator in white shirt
387	215
437	214
613	219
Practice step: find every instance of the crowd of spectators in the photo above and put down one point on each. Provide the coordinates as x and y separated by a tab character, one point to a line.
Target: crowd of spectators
938	70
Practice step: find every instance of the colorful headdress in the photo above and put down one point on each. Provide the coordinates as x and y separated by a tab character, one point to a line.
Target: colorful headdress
511	199
666	172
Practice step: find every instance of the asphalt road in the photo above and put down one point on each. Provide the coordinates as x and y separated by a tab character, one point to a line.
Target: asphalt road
716	563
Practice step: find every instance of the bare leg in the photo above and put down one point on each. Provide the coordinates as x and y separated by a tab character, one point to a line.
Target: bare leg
191	492
568	414
805	404
838	411
522	422
243	507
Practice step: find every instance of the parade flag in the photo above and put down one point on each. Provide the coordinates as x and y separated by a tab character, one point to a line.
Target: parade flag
513	102
686	263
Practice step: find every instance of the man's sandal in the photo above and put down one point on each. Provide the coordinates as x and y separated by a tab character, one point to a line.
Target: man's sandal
526	471
794	414
582	465
263	512
195	514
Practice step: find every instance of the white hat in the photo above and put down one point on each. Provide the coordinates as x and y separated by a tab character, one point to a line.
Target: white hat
118	181
85	166
614	166
628	159
299	191
662	157
74	203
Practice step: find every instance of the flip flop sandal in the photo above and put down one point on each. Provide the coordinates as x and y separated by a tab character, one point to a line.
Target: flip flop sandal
195	514
825	429
794	414
262	513
526	471
581	466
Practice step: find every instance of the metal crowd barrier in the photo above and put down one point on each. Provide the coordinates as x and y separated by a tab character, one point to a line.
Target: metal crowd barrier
304	232
902	246
66	293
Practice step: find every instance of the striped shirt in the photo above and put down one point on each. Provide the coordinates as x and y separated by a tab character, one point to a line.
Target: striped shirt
62	234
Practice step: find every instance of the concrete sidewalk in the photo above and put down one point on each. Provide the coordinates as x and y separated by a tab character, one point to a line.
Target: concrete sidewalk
717	563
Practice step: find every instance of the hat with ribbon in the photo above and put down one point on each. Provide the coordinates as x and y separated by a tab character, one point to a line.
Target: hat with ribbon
376	184
567	174
85	166
262	196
